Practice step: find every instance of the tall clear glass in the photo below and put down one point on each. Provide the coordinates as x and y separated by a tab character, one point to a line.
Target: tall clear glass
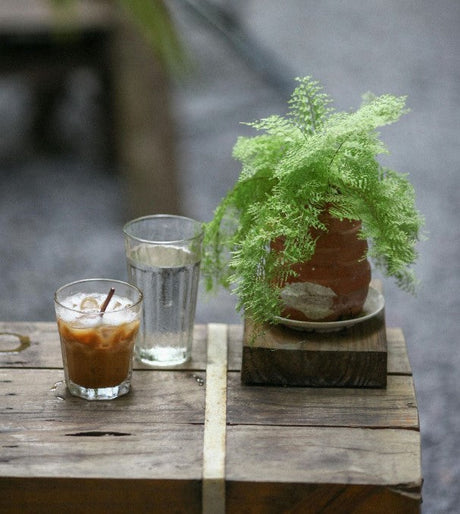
98	320
163	255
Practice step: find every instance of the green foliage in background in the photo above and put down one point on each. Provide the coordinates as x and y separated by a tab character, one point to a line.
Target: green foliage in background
151	17
311	159
155	23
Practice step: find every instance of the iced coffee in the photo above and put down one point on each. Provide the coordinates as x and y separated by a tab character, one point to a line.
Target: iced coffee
98	321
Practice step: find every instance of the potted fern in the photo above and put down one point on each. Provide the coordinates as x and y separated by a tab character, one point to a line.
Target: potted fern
311	190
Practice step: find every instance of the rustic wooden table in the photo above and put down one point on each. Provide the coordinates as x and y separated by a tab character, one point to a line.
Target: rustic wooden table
194	439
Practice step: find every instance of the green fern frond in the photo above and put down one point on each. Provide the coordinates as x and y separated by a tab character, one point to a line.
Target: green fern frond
305	162
308	106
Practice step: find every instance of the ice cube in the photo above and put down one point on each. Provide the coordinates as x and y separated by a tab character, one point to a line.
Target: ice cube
89	303
90	320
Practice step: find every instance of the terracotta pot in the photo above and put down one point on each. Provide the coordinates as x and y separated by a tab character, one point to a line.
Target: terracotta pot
334	284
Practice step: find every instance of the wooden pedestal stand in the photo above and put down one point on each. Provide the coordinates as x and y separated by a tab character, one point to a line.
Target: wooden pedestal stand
352	357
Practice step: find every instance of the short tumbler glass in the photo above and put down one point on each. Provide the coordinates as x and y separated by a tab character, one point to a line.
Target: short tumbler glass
97	346
163	254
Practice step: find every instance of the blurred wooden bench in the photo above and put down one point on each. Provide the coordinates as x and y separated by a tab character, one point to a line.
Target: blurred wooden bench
135	99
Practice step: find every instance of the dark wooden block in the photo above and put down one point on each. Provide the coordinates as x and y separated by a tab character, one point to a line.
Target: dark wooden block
352	357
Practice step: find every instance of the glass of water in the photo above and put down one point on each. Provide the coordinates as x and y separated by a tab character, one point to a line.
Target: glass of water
163	254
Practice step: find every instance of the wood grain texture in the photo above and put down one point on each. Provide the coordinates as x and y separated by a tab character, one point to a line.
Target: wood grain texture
352	357
58	495
318	469
393	407
166	396
322	454
102	449
288	449
398	361
324	498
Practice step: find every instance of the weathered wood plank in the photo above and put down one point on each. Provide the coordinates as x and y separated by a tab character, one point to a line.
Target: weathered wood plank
159	396
393	407
321	498
312	455
101	449
235	346
44	350
162	397
312	470
398	361
55	495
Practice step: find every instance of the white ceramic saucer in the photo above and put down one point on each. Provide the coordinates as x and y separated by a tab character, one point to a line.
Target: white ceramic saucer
372	306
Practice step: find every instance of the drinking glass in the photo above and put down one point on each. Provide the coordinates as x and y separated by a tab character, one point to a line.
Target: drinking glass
98	320
163	255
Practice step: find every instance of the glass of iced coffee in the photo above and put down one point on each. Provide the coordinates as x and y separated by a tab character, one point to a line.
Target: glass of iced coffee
98	320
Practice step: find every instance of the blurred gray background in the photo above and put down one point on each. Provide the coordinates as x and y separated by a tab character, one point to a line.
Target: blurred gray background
62	210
